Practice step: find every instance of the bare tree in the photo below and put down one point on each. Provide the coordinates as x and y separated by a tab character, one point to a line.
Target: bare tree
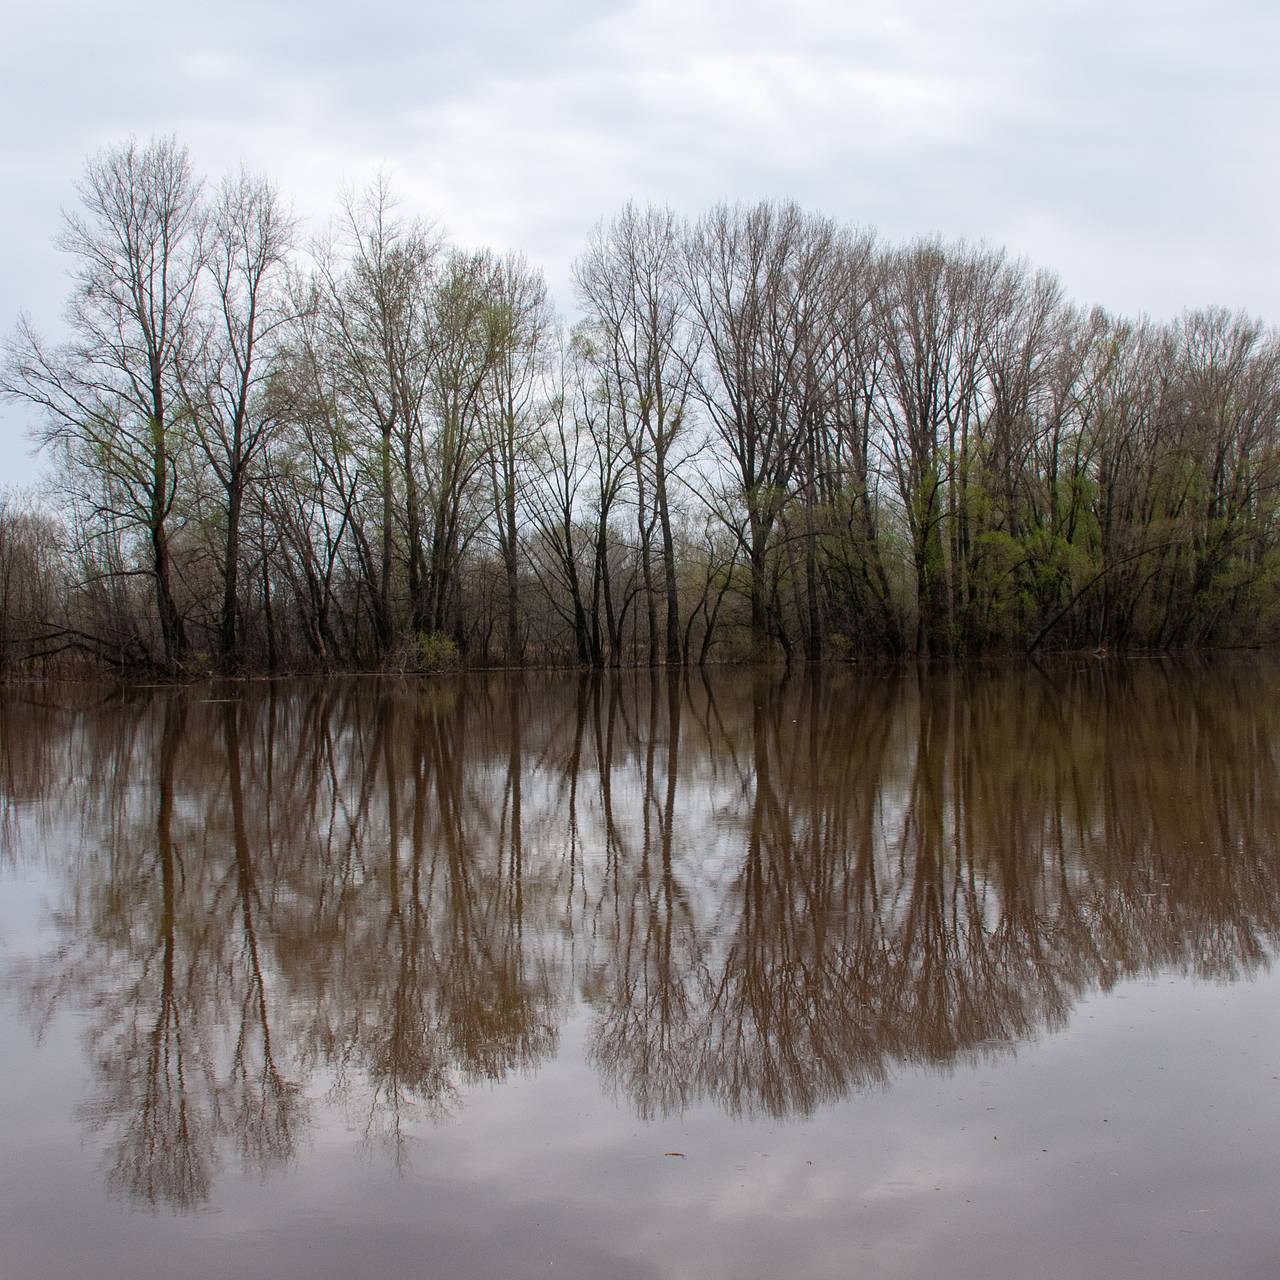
755	282
522	321
374	280
629	279
229	387
469	325
935	307
109	396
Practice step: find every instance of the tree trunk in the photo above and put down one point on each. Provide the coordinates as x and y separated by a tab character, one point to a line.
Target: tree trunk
382	619
228	639
668	566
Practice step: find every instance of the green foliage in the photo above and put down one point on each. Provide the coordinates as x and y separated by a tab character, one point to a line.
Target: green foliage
435	651
425	652
840	647
198	664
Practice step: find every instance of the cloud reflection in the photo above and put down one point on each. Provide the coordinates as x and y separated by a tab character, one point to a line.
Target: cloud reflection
767	893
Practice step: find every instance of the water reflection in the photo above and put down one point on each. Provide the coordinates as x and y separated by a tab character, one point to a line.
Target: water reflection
766	892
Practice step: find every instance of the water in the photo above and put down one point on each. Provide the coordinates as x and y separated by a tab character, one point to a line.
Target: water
944	972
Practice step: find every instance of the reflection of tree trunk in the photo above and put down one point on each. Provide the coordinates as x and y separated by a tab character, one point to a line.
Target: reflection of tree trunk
753	876
171	738
266	1121
385	720
604	765
165	852
927	939
246	887
670	979
160	1157
674	703
515	770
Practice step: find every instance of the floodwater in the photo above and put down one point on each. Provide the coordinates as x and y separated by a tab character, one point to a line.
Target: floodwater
941	972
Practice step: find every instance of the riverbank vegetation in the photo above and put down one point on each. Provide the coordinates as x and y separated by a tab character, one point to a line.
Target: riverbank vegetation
766	434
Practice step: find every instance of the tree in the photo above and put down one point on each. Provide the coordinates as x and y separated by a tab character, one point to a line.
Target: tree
229	389
521	321
556	551
935	308
629	280
373	285
466	330
109	395
756	283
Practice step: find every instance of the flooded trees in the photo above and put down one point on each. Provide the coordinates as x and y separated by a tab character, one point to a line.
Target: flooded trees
769	435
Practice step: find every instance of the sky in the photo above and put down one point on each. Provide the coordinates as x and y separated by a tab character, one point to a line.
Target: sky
1129	145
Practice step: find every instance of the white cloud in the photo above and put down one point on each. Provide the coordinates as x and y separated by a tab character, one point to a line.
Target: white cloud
1130	147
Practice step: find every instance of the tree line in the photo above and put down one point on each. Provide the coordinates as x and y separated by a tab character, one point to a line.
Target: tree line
767	434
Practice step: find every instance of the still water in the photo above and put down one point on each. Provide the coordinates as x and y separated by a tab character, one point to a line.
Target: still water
961	973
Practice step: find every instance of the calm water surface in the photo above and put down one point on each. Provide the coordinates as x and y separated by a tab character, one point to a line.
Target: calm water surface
939	973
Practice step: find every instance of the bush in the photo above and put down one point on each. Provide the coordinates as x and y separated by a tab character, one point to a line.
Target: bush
425	651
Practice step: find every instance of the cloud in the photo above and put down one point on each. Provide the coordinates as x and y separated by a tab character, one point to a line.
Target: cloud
1129	147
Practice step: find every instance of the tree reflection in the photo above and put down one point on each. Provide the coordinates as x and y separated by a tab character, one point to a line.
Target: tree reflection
768	891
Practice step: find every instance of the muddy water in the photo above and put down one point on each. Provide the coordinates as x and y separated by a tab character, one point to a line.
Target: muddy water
956	973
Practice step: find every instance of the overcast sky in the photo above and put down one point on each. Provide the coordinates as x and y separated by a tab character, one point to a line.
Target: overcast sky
1131	146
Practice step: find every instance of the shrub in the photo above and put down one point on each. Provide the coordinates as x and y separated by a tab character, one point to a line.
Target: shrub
425	651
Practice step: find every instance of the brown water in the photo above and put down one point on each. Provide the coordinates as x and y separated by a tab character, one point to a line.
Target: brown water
939	973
